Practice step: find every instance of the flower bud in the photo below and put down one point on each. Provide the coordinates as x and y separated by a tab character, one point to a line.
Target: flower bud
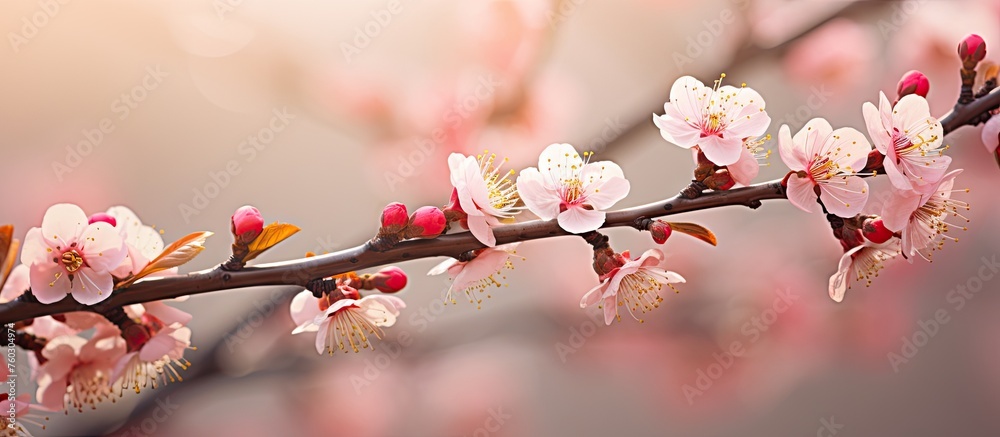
394	217
454	212
103	217
972	49
389	280
875	161
660	230
246	224
913	82
606	261
720	180
875	231
426	222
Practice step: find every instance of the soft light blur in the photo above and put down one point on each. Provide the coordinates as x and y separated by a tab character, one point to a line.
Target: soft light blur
292	108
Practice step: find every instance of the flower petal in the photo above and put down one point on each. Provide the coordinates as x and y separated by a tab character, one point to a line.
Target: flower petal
540	200
102	247
577	220
49	282
62	224
91	287
480	228
844	196
801	194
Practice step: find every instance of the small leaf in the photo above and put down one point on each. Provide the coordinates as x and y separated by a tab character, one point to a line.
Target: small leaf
8	252
272	234
697	231
179	252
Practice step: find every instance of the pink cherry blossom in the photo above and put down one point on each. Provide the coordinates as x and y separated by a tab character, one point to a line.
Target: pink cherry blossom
822	157
572	189
911	141
143	242
69	256
635	285
345	322
78	371
921	218
715	119
155	346
745	169
861	263
479	274
485	194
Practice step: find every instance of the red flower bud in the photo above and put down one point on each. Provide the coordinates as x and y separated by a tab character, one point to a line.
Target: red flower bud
660	230
972	49
246	224
395	217
913	82
390	279
875	231
720	180
454	212
426	222
103	217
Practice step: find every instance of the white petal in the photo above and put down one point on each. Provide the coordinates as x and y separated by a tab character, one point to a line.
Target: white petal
800	192
62	224
577	220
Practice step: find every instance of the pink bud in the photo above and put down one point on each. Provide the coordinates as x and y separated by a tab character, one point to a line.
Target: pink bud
660	230
395	216
390	279
875	231
454	211
426	222
247	223
972	49
103	217
913	82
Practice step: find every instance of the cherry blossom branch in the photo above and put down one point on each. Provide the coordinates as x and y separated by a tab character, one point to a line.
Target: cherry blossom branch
301	271
972	113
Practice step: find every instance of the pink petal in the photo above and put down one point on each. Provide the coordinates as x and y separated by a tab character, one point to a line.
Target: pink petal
839	280
600	170
62	224
752	121
925	174
487	263
792	153
687	95
577	220
564	155
443	267
160	345
745	169
675	129
721	151
321	334
800	193
848	148
990	134
911	111
898	208
610	310
608	193
102	247
539	200
845	197
812	136
304	307
594	295
481	230
166	313
896	176
90	287
873	121
46	287
51	392
35	250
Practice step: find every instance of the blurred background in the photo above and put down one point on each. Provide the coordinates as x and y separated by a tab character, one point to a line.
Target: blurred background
321	113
